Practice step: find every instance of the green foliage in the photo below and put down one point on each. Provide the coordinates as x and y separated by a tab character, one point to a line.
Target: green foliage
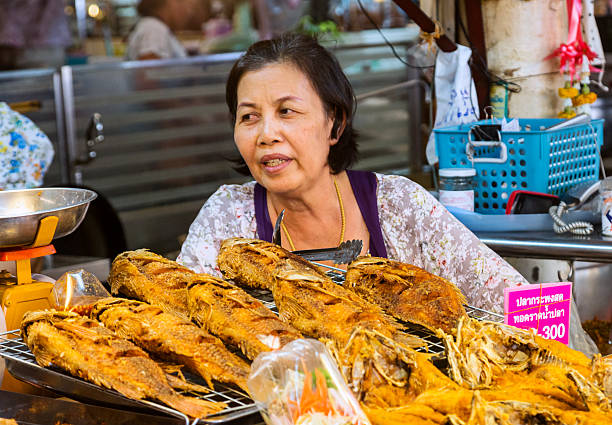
306	25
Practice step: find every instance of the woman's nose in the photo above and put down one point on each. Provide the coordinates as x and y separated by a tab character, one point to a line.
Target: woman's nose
269	132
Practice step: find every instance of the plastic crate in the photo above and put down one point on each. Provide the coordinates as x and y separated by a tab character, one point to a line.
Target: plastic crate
530	159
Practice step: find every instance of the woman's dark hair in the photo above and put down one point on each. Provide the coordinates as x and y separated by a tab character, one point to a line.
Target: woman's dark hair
149	7
325	75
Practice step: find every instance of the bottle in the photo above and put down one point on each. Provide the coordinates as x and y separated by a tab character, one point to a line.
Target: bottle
605	189
457	187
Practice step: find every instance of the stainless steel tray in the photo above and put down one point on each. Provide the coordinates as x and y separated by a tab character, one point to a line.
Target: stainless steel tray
21	363
29	409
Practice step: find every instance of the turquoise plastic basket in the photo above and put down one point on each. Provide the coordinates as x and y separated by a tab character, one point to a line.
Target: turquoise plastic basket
531	159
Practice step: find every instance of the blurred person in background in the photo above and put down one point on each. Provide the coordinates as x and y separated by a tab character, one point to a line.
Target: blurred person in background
154	37
33	34
275	17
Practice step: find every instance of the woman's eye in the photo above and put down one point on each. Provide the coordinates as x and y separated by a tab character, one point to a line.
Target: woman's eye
286	111
246	117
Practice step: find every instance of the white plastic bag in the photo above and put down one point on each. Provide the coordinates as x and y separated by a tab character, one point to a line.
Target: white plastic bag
300	384
25	151
456	99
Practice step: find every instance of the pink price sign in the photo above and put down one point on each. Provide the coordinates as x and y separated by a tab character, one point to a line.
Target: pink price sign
544	307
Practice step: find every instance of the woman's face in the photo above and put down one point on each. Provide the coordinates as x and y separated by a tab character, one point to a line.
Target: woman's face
282	129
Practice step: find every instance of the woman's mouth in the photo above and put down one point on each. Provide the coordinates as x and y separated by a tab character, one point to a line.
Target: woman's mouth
275	162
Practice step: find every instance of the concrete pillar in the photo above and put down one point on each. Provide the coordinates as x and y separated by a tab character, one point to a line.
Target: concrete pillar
519	35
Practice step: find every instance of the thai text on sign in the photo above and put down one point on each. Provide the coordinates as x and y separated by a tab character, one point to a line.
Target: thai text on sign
544	307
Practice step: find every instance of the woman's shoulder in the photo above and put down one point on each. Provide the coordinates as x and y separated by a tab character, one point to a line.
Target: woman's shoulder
388	181
396	183
400	195
236	193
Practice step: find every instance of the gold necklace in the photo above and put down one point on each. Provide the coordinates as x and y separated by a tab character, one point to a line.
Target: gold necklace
341	215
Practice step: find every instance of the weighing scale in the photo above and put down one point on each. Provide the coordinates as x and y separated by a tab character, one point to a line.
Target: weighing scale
29	220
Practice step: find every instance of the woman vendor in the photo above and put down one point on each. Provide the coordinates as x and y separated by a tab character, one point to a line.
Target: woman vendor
292	108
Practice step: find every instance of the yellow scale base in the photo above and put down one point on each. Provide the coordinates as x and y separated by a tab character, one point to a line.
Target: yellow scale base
21	294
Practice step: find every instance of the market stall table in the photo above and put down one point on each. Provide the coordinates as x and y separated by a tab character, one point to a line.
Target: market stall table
545	256
549	245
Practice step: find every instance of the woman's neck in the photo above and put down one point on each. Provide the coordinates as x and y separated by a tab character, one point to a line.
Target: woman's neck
311	216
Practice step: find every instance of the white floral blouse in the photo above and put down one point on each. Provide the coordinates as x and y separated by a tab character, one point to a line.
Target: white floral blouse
25	151
416	229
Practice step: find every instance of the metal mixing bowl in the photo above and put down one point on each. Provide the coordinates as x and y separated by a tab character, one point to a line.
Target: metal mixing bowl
22	210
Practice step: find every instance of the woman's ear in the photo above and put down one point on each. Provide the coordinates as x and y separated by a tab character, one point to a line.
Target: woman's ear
338	127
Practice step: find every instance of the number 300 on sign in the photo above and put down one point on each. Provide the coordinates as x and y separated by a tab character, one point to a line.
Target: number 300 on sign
553	331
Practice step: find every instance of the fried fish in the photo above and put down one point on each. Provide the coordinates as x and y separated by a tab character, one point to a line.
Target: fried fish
87	349
237	318
382	372
320	308
152	278
375	357
407	292
171	338
483	351
251	262
602	373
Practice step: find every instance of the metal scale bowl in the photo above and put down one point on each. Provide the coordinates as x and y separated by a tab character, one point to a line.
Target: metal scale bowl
29	220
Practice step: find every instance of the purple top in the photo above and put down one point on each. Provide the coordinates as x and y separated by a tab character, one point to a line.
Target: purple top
364	186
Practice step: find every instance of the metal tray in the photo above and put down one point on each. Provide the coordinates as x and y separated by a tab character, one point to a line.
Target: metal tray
21	363
28	409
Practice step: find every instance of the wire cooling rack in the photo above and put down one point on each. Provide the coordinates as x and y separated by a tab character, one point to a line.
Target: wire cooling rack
434	344
22	363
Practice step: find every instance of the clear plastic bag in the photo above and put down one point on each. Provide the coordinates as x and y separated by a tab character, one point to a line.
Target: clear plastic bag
300	384
76	290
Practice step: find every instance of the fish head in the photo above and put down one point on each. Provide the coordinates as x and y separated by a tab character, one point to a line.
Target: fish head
50	316
368	261
291	271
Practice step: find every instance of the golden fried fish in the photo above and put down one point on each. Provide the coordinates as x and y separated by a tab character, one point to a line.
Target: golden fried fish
602	373
237	318
382	372
318	307
482	351
250	262
152	278
171	338
476	409
86	349
407	292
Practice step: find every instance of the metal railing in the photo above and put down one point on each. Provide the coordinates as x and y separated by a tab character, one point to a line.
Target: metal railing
167	136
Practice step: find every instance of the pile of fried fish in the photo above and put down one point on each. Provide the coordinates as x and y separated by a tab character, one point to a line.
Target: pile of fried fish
496	374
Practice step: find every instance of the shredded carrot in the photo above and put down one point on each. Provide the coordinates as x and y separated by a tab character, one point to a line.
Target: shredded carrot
313	399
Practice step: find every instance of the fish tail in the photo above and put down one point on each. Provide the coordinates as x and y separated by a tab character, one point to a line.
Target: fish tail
203	372
191	406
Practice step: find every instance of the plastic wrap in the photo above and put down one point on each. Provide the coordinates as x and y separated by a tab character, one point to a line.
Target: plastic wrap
300	384
76	290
